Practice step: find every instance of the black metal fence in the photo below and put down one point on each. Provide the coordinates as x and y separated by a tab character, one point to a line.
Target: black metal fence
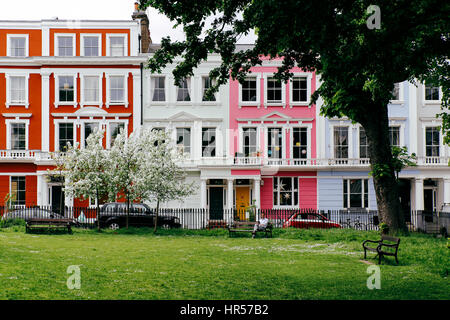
195	218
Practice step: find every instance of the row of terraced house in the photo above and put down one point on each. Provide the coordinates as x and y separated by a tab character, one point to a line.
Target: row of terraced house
260	142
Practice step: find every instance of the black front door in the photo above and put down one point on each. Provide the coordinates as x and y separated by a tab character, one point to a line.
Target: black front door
58	200
405	198
216	203
429	197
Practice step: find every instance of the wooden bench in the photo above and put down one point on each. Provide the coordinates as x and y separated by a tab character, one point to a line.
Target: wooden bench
382	246
248	226
36	223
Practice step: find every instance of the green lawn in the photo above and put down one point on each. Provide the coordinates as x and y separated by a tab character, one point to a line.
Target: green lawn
295	264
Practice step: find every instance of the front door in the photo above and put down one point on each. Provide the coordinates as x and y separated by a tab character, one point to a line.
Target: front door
57	197
429	197
216	203
405	198
242	201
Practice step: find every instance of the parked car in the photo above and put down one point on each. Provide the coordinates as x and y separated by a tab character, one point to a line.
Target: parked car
35	212
114	216
309	220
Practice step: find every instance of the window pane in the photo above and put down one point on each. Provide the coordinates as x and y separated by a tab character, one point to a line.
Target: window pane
184	140
394	136
432	140
363	145
206	85
17	89
300	143
91	46
117	46
299	90
115	128
275	142
65	135
65	46
18	190
183	91
117	89
88	129
274	90
91	89
18	138
66	89
208	142
249	90
341	142
249	142
431	93
396	91
18	46
158	87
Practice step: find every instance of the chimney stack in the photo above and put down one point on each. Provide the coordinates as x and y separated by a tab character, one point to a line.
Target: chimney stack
145	31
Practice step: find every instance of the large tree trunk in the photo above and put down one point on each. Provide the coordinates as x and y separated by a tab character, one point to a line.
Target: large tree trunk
386	188
156	217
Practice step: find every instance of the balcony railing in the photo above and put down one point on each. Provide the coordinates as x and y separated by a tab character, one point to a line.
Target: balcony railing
433	161
19	155
39	156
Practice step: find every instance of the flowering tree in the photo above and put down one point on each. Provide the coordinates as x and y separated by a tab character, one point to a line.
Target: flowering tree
161	174
87	171
127	155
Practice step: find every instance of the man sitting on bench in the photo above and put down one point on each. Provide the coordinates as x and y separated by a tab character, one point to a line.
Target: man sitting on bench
261	225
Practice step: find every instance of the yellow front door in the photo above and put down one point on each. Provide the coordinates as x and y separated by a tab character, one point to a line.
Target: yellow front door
242	201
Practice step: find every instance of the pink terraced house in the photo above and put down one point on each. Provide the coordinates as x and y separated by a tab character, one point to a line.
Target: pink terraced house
273	139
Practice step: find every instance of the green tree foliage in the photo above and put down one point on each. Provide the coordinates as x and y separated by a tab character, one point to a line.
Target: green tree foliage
358	65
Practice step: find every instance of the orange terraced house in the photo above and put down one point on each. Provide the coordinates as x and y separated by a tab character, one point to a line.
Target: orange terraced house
59	81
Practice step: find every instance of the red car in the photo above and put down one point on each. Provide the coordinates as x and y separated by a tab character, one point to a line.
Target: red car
309	220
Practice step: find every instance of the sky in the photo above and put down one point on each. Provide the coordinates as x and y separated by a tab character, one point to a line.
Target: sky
160	25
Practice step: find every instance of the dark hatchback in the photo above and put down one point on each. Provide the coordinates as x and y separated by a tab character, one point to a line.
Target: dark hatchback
114	216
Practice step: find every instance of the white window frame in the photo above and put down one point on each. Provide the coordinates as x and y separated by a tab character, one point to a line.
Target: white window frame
56	50
241	128
100	123
108	92
83	102
75	126
65	103
191	91
216	141
191	139
25	103
308	127
431	101
85	35
400	94
358	136
350	139
256	103
282	103
8	44
108	130
293	178
116	35
8	123
10	188
347	179
283	141
166	82
308	77
442	148
202	90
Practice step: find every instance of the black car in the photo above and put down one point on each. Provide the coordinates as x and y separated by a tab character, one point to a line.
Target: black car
114	216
